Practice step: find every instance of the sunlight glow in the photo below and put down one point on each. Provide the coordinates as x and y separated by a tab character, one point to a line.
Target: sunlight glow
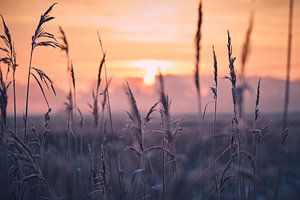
149	78
150	68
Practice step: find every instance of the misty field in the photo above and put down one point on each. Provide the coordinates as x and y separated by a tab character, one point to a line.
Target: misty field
145	153
92	173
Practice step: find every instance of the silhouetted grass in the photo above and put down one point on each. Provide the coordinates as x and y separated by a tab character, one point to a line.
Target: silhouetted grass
158	156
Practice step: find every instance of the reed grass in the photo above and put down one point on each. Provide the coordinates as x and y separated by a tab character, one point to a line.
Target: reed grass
170	135
214	90
40	38
246	50
95	94
165	127
29	159
10	59
29	174
73	80
110	118
136	128
236	138
3	103
285	131
64	44
257	135
68	109
288	66
197	57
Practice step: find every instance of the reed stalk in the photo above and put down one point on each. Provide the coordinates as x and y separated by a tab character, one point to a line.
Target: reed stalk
246	50
197	58
236	140
10	60
40	38
284	131
110	119
215	94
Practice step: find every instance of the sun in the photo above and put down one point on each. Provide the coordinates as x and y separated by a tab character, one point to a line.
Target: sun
149	78
149	69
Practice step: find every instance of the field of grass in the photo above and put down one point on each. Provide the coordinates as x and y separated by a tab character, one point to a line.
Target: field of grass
152	155
86	176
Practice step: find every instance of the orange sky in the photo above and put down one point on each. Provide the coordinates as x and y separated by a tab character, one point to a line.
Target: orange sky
139	35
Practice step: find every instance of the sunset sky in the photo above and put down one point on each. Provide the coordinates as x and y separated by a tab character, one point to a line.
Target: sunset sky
141	37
